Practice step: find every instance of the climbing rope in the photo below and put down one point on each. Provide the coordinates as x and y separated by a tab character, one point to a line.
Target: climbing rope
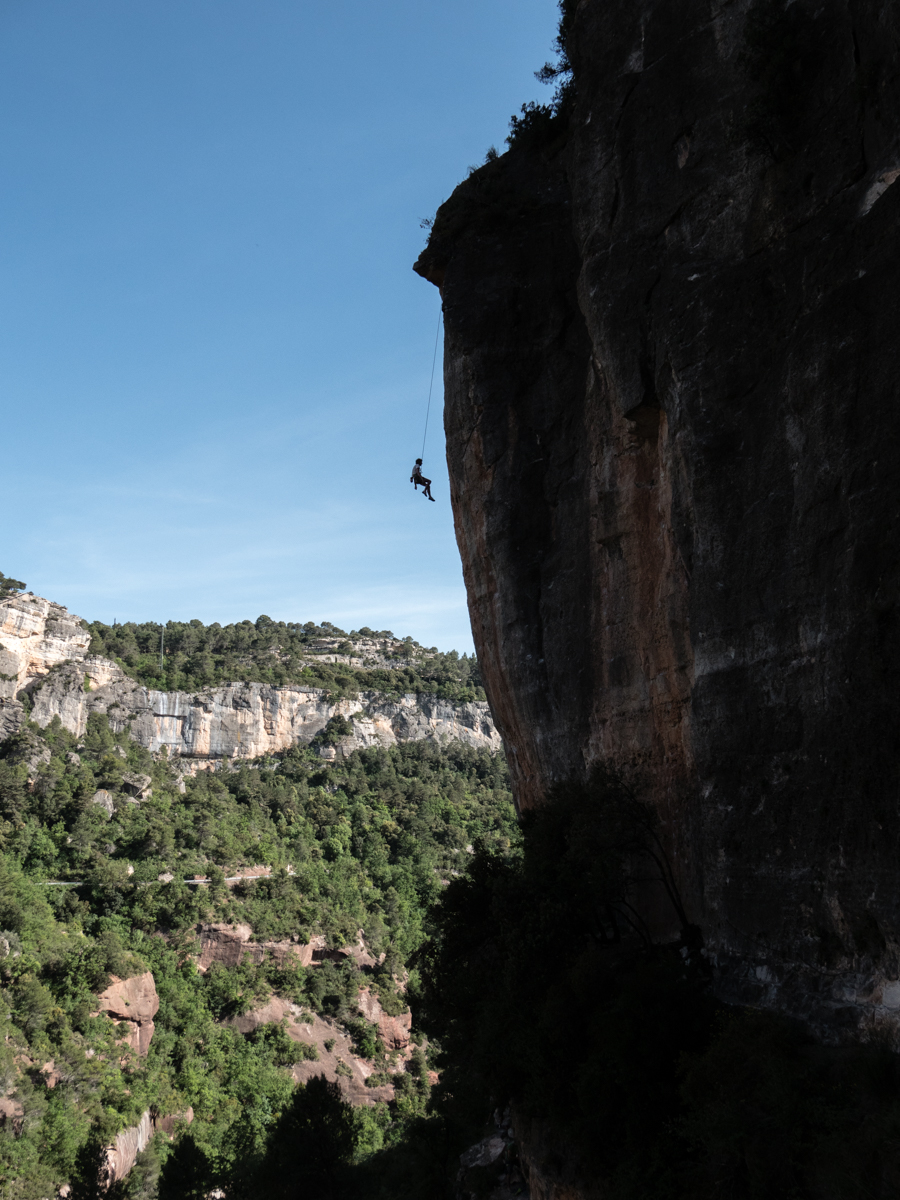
431	385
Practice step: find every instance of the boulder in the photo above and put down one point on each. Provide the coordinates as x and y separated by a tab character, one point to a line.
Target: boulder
482	1154
104	799
11	1113
10	944
137	785
12	718
271	1013
50	1074
360	952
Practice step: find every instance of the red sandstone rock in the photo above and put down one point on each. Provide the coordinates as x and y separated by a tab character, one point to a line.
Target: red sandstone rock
320	1032
227	944
168	1125
120	1157
360	953
273	1011
132	1003
393	1031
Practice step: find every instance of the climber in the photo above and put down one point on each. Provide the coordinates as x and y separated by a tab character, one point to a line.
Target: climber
417	477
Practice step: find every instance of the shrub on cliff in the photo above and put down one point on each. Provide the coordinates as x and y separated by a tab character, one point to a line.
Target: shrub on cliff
541	124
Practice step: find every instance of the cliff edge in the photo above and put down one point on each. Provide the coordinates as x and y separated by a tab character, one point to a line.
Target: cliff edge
671	415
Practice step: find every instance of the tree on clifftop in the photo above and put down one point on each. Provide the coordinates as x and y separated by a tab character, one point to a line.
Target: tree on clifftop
9	586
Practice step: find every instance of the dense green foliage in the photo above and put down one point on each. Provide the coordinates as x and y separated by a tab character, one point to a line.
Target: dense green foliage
362	844
199	656
8	586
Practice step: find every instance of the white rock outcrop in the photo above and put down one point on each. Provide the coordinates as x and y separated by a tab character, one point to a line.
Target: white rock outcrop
36	635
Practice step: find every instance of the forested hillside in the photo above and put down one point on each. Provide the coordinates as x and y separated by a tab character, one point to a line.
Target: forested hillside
195	655
358	852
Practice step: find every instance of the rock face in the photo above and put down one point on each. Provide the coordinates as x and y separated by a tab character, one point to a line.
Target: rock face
672	426
333	1047
122	1154
230	944
31	752
45	653
35	635
246	720
393	1031
132	1003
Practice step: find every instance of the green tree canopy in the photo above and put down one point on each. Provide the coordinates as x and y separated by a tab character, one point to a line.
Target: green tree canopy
9	586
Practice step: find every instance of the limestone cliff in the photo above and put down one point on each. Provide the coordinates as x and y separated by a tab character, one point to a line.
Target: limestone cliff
44	650
35	635
672	426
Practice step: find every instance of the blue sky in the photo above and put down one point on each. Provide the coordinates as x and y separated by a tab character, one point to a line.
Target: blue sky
214	354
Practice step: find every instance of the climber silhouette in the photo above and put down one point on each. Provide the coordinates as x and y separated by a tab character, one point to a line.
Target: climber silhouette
417	477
